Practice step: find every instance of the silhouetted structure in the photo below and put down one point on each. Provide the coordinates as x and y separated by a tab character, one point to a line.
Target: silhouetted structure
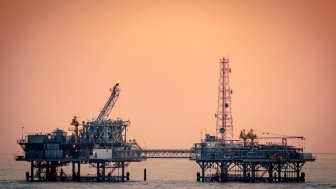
102	144
223	159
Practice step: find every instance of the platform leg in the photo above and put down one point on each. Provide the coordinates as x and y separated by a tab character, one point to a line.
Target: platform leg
98	173
32	171
145	174
253	172
270	172
39	171
203	172
297	171
122	171
73	171
103	171
279	172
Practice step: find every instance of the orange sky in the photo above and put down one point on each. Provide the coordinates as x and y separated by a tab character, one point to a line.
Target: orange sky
59	59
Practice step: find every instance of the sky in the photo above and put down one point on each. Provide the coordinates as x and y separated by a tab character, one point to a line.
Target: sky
59	59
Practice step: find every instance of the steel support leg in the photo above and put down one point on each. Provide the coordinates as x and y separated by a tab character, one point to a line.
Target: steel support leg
270	172
98	173
39	170
279	172
297	171
244	171
73	171
32	171
103	171
78	171
253	172
122	171
203	171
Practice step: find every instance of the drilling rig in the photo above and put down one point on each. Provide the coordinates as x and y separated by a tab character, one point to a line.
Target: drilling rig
100	143
222	158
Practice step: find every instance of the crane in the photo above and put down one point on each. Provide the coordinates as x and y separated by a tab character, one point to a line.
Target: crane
105	112
108	108
252	136
97	127
283	138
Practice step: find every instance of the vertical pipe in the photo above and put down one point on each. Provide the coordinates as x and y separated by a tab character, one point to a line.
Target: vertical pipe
122	171
78	171
223	173
32	171
61	175
53	170
270	172
127	176
27	176
203	171
198	176
279	172
103	171
73	171
244	171
39	170
253	171
297	171
98	174
145	174
47	170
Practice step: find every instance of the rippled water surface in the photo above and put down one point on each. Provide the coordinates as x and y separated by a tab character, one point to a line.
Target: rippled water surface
167	173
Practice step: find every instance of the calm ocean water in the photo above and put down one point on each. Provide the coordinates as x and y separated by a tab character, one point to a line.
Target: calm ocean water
168	173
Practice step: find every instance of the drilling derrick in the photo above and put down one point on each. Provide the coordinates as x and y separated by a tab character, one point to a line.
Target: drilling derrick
248	159
224	127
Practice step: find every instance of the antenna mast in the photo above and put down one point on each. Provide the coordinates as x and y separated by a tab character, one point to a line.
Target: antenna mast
224	127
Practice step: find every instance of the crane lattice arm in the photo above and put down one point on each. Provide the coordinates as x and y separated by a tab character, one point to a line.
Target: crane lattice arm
284	137
110	103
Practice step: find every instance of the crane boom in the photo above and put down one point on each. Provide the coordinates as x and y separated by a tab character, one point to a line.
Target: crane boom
110	103
283	137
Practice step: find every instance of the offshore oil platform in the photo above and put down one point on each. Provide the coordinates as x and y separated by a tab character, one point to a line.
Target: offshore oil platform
102	144
251	158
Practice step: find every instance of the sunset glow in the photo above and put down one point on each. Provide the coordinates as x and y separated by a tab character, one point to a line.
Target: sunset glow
59	59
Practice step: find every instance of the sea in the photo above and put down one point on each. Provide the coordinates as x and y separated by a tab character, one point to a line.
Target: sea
166	173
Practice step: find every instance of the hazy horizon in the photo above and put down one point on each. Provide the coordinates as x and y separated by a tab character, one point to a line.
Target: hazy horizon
59	59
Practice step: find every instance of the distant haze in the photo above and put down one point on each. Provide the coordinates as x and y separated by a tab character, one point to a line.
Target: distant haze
60	58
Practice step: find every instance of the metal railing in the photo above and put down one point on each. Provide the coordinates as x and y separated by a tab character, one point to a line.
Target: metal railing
167	153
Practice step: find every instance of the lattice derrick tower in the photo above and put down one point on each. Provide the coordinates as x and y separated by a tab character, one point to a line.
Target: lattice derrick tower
224	126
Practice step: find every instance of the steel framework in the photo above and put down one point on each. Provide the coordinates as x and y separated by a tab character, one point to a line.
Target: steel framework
259	163
102	144
224	127
165	153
